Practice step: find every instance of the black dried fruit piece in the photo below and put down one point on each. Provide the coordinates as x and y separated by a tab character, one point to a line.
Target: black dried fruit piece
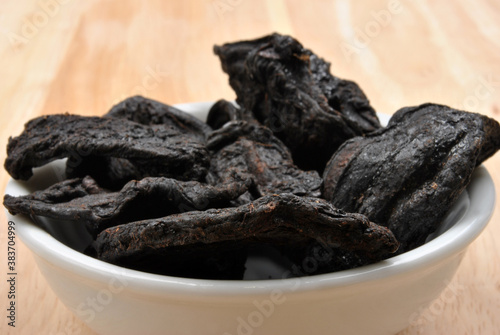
151	112
156	150
114	172
224	111
290	90
60	192
81	200
276	220
408	175
251	151
344	96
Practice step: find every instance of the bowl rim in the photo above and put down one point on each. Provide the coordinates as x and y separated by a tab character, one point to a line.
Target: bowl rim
448	244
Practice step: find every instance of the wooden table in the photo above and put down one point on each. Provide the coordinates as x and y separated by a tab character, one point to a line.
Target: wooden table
82	57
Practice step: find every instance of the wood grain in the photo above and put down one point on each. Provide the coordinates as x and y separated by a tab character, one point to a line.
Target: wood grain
83	56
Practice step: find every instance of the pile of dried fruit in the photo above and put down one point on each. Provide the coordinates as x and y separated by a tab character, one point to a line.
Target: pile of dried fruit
301	164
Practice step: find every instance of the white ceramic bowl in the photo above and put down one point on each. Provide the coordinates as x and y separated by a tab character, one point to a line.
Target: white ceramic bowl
381	298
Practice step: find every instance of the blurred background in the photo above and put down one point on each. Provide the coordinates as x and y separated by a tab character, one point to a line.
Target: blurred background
82	57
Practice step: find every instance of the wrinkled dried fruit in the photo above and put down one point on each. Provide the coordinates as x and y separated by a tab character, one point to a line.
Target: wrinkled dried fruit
150	112
156	150
163	192
114	172
408	175
290	90
251	151
81	200
283	219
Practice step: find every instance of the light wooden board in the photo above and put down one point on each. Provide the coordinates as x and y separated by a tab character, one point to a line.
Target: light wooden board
83	56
